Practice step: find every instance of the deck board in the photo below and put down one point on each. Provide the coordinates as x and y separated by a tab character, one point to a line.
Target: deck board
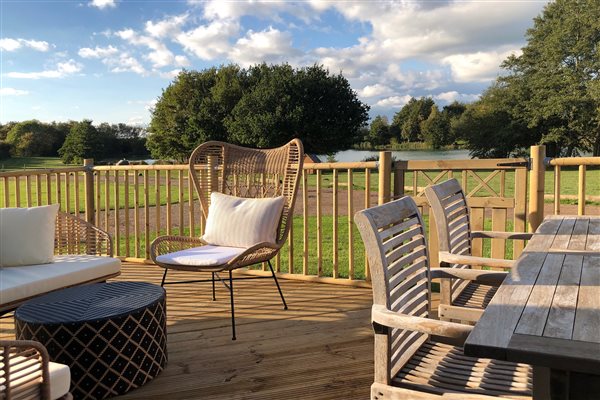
321	348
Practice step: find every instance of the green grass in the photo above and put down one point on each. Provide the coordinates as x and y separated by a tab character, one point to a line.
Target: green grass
16	163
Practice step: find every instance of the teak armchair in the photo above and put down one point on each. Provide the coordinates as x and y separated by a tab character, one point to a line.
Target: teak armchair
462	300
416	356
27	374
242	172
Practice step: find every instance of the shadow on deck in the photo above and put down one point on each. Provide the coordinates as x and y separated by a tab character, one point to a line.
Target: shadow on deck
321	348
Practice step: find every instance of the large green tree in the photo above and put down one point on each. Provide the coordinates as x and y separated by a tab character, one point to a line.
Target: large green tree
408	120
262	106
83	141
557	77
436	128
34	138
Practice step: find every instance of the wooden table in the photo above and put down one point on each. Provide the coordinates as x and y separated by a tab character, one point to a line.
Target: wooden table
547	311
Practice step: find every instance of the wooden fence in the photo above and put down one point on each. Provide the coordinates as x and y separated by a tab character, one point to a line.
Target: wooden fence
136	203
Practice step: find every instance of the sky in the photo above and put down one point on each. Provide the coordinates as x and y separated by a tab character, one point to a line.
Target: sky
109	60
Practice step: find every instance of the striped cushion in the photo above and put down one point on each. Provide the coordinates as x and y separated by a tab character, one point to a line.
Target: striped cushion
239	222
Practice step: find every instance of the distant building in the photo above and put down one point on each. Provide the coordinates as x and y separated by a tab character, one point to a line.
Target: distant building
311	158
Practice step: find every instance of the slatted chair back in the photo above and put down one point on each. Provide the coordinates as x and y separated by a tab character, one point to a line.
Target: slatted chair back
250	173
396	244
451	212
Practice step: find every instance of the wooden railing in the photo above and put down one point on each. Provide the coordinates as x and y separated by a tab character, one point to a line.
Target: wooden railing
136	203
582	163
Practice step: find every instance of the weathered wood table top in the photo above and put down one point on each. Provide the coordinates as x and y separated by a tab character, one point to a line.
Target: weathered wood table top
547	311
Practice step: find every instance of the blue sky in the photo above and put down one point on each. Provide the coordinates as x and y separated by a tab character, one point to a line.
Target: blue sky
109	60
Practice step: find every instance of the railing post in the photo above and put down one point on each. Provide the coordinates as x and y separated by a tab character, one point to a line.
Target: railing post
536	187
385	176
88	163
399	179
581	190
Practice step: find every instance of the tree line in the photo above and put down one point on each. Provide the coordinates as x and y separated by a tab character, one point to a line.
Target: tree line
72	141
549	94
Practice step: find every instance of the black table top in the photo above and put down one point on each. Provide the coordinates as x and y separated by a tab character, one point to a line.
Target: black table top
89	302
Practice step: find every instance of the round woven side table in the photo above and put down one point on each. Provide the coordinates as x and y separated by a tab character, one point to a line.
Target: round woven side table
111	335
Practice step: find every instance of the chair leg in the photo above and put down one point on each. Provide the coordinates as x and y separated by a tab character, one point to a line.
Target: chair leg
285	307
232	308
213	285
164	277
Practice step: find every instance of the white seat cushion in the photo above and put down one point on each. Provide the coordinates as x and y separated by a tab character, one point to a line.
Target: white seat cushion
240	222
60	375
27	235
18	283
60	380
204	256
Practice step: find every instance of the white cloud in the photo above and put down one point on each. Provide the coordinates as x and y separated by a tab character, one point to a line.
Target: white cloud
6	91
9	44
269	45
374	90
453	95
98	52
62	70
102	4
169	27
210	41
394	101
125	63
160	56
480	66
170	74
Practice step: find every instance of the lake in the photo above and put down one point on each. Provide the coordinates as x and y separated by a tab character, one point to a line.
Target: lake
360	155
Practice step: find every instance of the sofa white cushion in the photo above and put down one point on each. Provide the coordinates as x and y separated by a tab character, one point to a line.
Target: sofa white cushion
240	222
27	235
18	283
204	256
21	370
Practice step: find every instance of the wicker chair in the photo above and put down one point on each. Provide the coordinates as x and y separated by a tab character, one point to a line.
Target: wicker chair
462	300
27	374
243	172
416	356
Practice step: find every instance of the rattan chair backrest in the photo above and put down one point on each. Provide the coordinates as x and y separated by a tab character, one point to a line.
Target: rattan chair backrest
250	173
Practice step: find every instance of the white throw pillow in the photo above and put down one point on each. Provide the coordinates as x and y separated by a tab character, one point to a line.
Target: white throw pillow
240	222
27	235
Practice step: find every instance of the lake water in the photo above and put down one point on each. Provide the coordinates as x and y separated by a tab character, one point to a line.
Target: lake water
360	155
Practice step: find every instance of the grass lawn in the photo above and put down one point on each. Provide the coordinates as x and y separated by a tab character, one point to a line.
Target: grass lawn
31	162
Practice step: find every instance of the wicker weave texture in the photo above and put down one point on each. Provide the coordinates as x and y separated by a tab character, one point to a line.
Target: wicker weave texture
76	236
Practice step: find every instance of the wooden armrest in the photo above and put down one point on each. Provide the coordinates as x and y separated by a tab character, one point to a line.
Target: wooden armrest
450	258
456	332
501	235
493	278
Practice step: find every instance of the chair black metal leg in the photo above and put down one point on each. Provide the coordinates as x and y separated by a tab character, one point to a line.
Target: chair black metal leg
213	285
232	308
164	277
277	283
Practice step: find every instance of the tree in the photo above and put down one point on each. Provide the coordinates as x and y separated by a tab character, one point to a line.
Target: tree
557	74
34	138
408	119
82	142
436	129
379	131
262	106
490	128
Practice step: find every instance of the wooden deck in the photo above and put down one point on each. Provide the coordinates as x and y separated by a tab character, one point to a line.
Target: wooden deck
321	348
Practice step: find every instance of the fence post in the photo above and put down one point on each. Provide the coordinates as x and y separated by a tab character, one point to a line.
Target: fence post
385	176
88	164
536	187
